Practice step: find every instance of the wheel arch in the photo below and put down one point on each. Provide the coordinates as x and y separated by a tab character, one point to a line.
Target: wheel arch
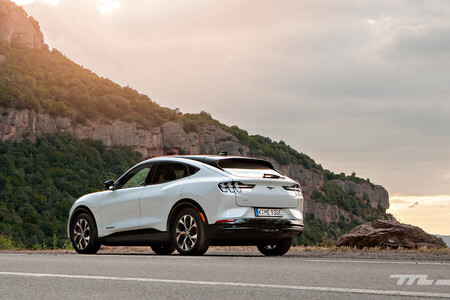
181	204
83	209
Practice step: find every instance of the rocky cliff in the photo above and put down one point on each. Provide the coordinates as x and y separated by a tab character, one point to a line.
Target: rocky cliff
88	92
170	138
17	29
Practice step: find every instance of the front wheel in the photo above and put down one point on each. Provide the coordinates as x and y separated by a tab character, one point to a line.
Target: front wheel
275	248
188	233
83	234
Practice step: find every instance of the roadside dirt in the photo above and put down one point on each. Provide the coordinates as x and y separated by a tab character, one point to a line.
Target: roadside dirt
437	255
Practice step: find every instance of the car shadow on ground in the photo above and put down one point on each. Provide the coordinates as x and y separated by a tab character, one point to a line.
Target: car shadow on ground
151	254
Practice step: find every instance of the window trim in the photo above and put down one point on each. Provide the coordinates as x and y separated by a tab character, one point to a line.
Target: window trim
186	166
137	168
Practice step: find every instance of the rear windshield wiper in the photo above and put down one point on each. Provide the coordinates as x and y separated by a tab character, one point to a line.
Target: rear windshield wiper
274	176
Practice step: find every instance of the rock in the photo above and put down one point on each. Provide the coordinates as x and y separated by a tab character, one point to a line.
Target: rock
329	213
125	134
2	59
17	29
102	132
170	138
388	234
231	147
174	137
62	123
207	144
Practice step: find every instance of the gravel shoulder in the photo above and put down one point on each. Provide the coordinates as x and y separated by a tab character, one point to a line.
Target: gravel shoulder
424	254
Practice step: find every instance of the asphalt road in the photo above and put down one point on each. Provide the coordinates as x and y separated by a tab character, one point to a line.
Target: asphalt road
215	276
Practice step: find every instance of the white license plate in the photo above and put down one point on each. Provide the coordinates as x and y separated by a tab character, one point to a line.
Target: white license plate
268	212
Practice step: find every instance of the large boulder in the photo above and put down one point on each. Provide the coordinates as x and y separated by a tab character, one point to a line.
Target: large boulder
388	234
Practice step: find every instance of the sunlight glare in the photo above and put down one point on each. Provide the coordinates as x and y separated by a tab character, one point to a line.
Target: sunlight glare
107	6
24	2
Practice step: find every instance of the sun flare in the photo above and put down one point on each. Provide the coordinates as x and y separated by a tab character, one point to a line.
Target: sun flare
104	6
107	6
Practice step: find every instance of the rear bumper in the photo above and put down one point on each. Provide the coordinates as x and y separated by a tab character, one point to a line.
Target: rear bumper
253	231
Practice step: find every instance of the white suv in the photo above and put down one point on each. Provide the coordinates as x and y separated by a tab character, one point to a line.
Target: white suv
188	203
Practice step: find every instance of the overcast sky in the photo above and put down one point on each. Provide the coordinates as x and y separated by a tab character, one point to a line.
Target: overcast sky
358	85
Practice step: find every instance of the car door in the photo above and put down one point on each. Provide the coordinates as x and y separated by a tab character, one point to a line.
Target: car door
164	191
120	209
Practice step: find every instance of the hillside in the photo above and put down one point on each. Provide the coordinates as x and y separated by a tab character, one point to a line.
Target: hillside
43	93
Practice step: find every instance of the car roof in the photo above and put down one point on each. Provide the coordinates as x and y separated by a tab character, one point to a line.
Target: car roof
212	160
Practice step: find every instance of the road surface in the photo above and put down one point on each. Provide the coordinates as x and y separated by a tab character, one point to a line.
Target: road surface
216	276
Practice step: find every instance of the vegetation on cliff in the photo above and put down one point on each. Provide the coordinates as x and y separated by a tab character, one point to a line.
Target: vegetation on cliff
335	195
40	181
50	82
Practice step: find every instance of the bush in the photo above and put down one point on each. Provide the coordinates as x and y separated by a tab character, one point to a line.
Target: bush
39	183
6	243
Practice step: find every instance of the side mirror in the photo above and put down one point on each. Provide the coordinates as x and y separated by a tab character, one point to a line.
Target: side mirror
109	184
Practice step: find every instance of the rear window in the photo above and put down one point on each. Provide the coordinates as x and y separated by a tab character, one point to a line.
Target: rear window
249	168
245	164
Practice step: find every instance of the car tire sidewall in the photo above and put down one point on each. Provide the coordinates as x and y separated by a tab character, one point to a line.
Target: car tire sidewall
93	245
202	244
163	249
281	247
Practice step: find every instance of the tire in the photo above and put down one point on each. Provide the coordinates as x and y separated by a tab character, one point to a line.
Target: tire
275	248
188	233
83	234
163	249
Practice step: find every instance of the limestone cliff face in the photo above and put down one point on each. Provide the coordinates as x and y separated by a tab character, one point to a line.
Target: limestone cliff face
170	138
17	29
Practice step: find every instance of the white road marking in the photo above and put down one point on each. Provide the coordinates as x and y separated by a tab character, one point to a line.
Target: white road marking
237	284
442	282
378	262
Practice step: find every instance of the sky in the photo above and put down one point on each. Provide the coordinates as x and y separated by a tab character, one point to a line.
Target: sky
357	85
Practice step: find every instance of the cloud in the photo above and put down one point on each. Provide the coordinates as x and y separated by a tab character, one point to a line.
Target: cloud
359	86
413	205
431	213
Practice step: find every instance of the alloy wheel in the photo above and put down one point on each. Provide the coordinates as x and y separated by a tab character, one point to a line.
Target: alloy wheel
81	234
186	232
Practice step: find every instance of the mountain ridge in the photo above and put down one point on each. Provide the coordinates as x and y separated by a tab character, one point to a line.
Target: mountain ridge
43	92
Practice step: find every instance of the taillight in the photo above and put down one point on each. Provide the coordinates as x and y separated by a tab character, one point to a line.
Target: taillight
226	221
234	186
295	188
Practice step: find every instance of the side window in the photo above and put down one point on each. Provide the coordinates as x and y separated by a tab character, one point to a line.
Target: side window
167	171
192	170
137	178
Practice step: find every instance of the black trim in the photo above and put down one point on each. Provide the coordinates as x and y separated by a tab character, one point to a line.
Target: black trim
239	232
214	160
253	231
139	237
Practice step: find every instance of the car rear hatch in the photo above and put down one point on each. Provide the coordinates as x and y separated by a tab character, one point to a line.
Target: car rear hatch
267	194
260	185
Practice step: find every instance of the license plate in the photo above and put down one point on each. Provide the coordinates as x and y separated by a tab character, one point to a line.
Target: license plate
268	212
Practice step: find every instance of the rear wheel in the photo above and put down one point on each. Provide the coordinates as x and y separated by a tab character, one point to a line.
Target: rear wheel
83	234
188	233
275	248
163	249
